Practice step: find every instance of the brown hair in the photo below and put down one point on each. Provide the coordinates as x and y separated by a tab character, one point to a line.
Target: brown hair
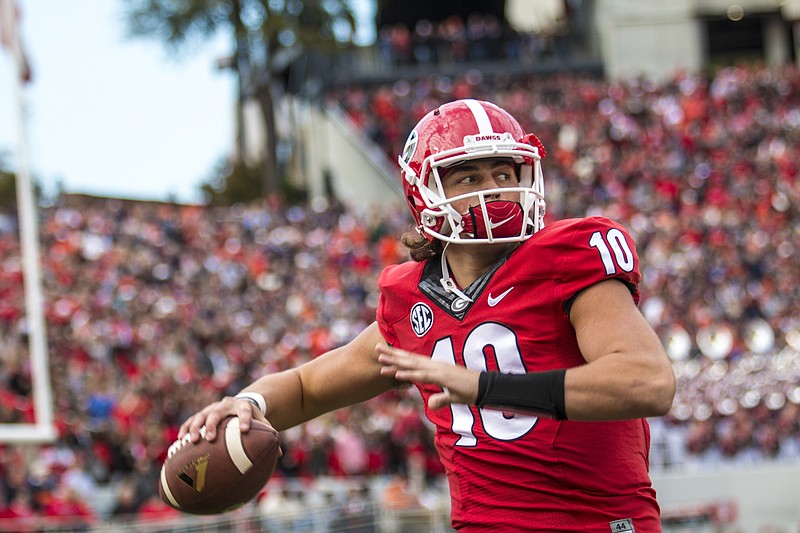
419	247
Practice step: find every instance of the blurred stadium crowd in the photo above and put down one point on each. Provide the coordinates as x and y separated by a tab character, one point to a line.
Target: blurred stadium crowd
154	310
479	37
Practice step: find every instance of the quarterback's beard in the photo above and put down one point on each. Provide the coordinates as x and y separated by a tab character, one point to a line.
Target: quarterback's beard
505	219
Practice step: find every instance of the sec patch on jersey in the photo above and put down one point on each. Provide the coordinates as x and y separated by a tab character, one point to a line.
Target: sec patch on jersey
215	477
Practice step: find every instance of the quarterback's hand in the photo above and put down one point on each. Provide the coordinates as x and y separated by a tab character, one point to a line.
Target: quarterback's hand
459	384
211	415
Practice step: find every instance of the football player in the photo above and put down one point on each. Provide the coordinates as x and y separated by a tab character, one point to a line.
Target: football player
524	340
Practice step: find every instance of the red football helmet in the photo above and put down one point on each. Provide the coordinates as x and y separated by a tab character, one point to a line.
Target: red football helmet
460	131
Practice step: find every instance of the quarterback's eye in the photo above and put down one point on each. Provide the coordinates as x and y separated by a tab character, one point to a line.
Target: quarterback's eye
461	180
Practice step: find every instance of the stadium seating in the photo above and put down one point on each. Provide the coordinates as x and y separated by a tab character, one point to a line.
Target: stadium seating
154	310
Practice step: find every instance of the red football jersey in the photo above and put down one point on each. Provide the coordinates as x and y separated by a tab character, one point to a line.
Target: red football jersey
513	472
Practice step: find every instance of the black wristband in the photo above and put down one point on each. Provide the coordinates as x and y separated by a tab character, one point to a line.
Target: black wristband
540	393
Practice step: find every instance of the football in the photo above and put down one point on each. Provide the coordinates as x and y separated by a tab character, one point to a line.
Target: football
215	477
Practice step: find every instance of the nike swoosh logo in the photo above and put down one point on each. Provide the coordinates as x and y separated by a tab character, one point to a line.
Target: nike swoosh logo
494	301
492	225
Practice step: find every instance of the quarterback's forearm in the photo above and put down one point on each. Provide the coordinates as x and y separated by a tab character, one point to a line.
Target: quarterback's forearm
345	376
283	394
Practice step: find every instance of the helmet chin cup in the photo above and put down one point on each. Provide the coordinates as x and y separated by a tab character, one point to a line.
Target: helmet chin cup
485	222
493	220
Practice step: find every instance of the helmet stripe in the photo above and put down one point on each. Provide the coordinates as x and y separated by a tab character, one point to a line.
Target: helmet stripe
481	117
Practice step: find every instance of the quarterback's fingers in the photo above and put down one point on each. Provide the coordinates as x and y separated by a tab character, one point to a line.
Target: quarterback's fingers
395	354
406	366
401	359
204	423
225	407
192	426
184	429
439	400
410	368
244	410
420	375
195	423
213	418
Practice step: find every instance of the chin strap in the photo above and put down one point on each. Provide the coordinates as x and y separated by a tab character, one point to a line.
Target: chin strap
447	282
